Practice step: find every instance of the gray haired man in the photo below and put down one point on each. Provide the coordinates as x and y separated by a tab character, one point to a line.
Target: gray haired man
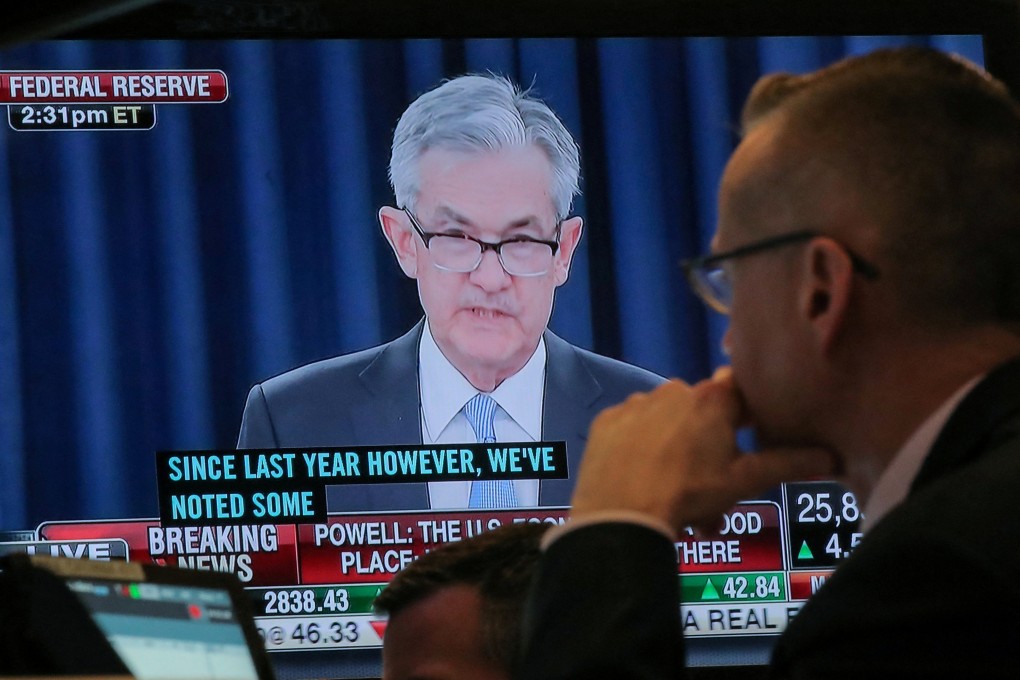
484	175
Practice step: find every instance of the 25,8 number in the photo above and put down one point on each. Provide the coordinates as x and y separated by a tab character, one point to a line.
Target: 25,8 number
816	507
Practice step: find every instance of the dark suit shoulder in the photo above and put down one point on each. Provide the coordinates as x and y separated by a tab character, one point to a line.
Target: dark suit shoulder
933	575
973	508
334	373
572	621
307	405
381	367
366	396
617	376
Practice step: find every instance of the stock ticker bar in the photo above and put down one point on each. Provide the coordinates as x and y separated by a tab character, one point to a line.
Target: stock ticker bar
312	585
824	524
741	587
732	581
803	584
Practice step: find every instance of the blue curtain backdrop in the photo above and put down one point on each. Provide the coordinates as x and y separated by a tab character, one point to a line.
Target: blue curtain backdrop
148	278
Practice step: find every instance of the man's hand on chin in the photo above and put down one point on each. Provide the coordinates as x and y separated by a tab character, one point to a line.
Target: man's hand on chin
671	455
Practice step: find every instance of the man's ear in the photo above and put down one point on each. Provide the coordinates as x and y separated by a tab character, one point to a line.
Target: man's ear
826	287
570	236
401	237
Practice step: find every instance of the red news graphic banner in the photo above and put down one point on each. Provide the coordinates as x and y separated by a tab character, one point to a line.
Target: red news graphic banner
113	87
749	539
371	548
260	555
803	584
348	548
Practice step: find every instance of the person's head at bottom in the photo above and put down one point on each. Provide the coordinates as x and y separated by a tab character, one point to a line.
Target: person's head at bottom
455	613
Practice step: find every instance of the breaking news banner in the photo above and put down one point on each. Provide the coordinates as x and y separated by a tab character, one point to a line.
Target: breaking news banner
345	549
272	486
102	100
313	584
258	554
326	603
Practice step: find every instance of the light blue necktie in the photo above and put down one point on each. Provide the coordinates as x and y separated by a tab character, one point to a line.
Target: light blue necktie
492	493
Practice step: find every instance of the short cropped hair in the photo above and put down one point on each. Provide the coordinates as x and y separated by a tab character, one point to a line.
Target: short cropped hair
500	563
482	113
930	144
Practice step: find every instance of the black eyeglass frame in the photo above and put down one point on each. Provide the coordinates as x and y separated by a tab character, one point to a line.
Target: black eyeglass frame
695	268
427	236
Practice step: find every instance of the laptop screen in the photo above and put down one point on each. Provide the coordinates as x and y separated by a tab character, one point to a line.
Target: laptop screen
169	631
97	617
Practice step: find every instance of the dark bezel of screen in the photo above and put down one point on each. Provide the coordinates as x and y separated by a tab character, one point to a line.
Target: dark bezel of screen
996	21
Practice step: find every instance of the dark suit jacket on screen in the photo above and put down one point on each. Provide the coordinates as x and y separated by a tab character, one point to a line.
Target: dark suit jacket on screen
933	590
371	398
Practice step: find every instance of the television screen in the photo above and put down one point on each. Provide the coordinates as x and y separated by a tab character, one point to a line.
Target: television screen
190	208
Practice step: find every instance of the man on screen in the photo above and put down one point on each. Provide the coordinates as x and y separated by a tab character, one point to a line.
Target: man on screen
484	176
868	253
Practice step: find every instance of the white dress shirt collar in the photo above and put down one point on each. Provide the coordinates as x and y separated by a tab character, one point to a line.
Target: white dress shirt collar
444	390
895	482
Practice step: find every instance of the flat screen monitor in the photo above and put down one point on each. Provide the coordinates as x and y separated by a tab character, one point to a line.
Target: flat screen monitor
189	205
139	620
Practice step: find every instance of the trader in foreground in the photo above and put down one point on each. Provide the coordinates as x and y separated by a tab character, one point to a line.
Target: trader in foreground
868	254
